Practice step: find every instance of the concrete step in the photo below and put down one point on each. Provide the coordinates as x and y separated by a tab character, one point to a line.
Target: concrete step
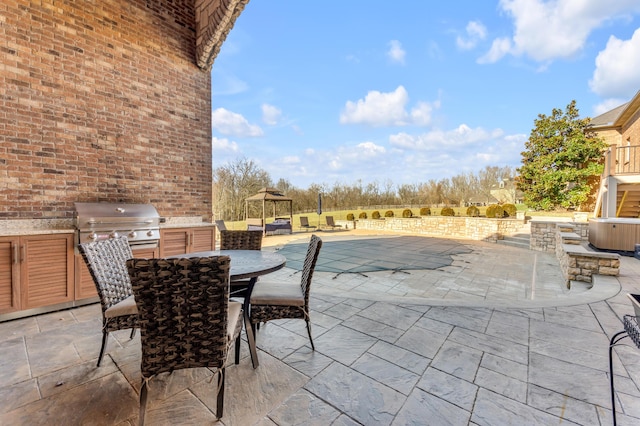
516	240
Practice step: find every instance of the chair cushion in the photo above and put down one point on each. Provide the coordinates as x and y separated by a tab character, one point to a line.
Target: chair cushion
235	311
124	307
277	293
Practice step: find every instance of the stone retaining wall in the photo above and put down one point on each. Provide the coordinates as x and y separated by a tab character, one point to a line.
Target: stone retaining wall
579	263
543	234
473	228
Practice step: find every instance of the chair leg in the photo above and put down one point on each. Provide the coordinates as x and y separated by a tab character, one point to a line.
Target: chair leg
143	402
615	339
220	403
237	360
105	336
309	332
251	340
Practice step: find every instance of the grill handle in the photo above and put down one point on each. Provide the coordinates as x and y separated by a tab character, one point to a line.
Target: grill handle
100	222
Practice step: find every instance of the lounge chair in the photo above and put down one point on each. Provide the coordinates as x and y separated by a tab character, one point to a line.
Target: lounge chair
331	224
304	223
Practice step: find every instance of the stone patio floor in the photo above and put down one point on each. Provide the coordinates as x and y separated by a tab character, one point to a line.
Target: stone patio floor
493	338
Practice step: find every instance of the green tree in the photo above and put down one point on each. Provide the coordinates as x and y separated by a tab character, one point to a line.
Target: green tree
562	153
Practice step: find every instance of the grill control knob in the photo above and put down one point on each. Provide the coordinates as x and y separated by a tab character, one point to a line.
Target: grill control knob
93	236
149	233
133	234
114	234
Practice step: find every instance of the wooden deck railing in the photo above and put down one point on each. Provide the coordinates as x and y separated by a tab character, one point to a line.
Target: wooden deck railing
622	160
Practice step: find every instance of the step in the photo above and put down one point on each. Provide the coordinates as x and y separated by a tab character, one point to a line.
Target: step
516	240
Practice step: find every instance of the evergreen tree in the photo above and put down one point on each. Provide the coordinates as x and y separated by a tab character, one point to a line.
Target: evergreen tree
562	157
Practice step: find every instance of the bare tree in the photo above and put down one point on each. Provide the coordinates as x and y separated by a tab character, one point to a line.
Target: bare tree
232	184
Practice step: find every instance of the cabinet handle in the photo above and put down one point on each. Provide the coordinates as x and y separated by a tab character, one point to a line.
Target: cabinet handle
16	259
188	240
23	253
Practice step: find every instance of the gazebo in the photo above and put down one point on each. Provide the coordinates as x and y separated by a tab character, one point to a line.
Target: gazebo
272	195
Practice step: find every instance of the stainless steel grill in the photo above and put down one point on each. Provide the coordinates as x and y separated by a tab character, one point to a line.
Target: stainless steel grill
99	221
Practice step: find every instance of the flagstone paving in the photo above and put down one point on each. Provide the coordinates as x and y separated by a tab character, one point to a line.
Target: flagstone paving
493	337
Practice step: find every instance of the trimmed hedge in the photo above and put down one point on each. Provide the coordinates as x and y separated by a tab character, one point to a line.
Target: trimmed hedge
407	213
473	211
447	211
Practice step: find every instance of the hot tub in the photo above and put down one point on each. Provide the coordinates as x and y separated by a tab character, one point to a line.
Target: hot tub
615	233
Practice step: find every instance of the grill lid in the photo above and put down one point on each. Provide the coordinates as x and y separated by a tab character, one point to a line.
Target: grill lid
114	215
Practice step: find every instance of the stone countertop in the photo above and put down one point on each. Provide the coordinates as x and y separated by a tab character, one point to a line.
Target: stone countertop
18	227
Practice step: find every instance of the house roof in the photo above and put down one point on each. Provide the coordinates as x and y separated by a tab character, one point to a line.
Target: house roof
618	116
608	118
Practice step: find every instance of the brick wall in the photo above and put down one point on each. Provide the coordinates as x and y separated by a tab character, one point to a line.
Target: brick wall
102	101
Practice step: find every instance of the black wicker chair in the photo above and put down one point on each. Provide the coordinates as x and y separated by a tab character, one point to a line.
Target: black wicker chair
240	240
272	300
186	319
106	260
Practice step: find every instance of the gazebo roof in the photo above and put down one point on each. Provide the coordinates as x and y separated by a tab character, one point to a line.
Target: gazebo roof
269	194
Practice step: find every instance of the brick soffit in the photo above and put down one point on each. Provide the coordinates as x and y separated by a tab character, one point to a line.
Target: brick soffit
214	20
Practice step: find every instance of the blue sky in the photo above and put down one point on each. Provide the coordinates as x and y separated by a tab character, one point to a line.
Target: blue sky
337	91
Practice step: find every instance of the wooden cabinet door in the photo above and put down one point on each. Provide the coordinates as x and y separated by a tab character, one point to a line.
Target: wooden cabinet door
47	270
9	274
85	287
173	242
203	239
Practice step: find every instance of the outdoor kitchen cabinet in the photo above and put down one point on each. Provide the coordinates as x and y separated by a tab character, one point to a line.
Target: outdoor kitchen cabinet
35	271
174	241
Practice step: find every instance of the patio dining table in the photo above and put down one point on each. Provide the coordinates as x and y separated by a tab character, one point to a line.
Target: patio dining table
247	264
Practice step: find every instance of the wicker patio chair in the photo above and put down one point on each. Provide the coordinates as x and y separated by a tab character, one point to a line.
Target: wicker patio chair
304	223
186	318
240	240
272	300
106	260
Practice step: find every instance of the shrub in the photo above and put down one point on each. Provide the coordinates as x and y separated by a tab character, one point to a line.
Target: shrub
473	211
375	214
407	213
495	210
350	216
362	215
388	213
447	211
425	211
509	210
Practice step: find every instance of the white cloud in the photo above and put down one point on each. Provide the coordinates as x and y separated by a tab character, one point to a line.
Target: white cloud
224	145
607	105
462	136
476	32
231	123
616	73
270	114
548	30
387	109
421	114
499	48
396	53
